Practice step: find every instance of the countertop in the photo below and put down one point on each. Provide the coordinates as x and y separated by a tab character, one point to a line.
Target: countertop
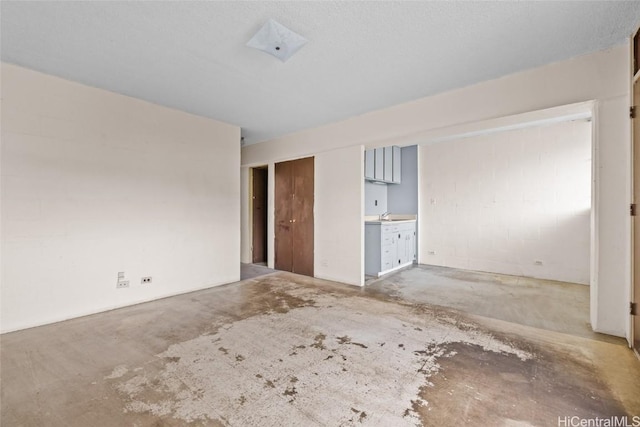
393	219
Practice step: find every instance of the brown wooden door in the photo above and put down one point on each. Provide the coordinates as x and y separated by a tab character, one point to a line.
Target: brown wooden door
259	214
636	219
283	220
302	213
635	97
294	190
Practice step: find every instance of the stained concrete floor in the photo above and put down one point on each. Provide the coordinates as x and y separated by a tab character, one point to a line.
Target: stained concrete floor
282	349
546	304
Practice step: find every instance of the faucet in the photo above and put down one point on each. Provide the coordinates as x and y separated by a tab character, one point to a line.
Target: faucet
384	216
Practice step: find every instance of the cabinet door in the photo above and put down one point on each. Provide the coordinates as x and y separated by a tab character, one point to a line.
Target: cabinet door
401	247
389	237
411	249
388	257
369	164
410	246
388	164
397	165
406	244
379	164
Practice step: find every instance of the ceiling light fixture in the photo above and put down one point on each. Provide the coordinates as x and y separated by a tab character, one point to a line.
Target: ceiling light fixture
277	40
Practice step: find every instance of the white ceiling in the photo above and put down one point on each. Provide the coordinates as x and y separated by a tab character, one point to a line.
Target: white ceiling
361	56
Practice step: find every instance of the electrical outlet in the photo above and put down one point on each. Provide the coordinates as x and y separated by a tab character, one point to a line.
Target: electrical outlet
122	284
145	280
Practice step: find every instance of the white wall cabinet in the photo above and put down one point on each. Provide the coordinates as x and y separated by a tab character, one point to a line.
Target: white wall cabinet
378	167
369	164
388	164
397	165
389	246
383	165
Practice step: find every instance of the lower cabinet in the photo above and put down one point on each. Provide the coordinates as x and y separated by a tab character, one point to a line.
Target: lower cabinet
389	246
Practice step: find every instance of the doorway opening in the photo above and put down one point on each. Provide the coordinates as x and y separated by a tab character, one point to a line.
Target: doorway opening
259	199
514	202
514	196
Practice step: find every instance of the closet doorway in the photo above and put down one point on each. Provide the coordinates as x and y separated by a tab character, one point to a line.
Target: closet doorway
259	214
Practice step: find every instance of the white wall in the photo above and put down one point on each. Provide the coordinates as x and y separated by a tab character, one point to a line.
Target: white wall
94	183
602	76
338	213
502	201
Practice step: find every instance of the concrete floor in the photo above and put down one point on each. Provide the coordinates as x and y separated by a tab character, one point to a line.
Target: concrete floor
282	349
251	271
546	304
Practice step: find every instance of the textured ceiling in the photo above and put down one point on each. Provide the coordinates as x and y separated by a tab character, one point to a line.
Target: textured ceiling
361	56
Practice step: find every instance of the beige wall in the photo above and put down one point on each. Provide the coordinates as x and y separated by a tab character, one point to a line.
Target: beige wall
602	76
94	183
514	202
338	211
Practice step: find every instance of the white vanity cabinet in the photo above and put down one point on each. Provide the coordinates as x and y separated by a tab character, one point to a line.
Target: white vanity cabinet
390	245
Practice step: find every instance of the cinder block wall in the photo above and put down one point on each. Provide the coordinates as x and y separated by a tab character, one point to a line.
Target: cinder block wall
515	202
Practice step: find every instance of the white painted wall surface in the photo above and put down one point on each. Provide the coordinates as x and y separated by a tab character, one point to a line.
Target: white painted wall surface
94	183
338	212
501	202
602	76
